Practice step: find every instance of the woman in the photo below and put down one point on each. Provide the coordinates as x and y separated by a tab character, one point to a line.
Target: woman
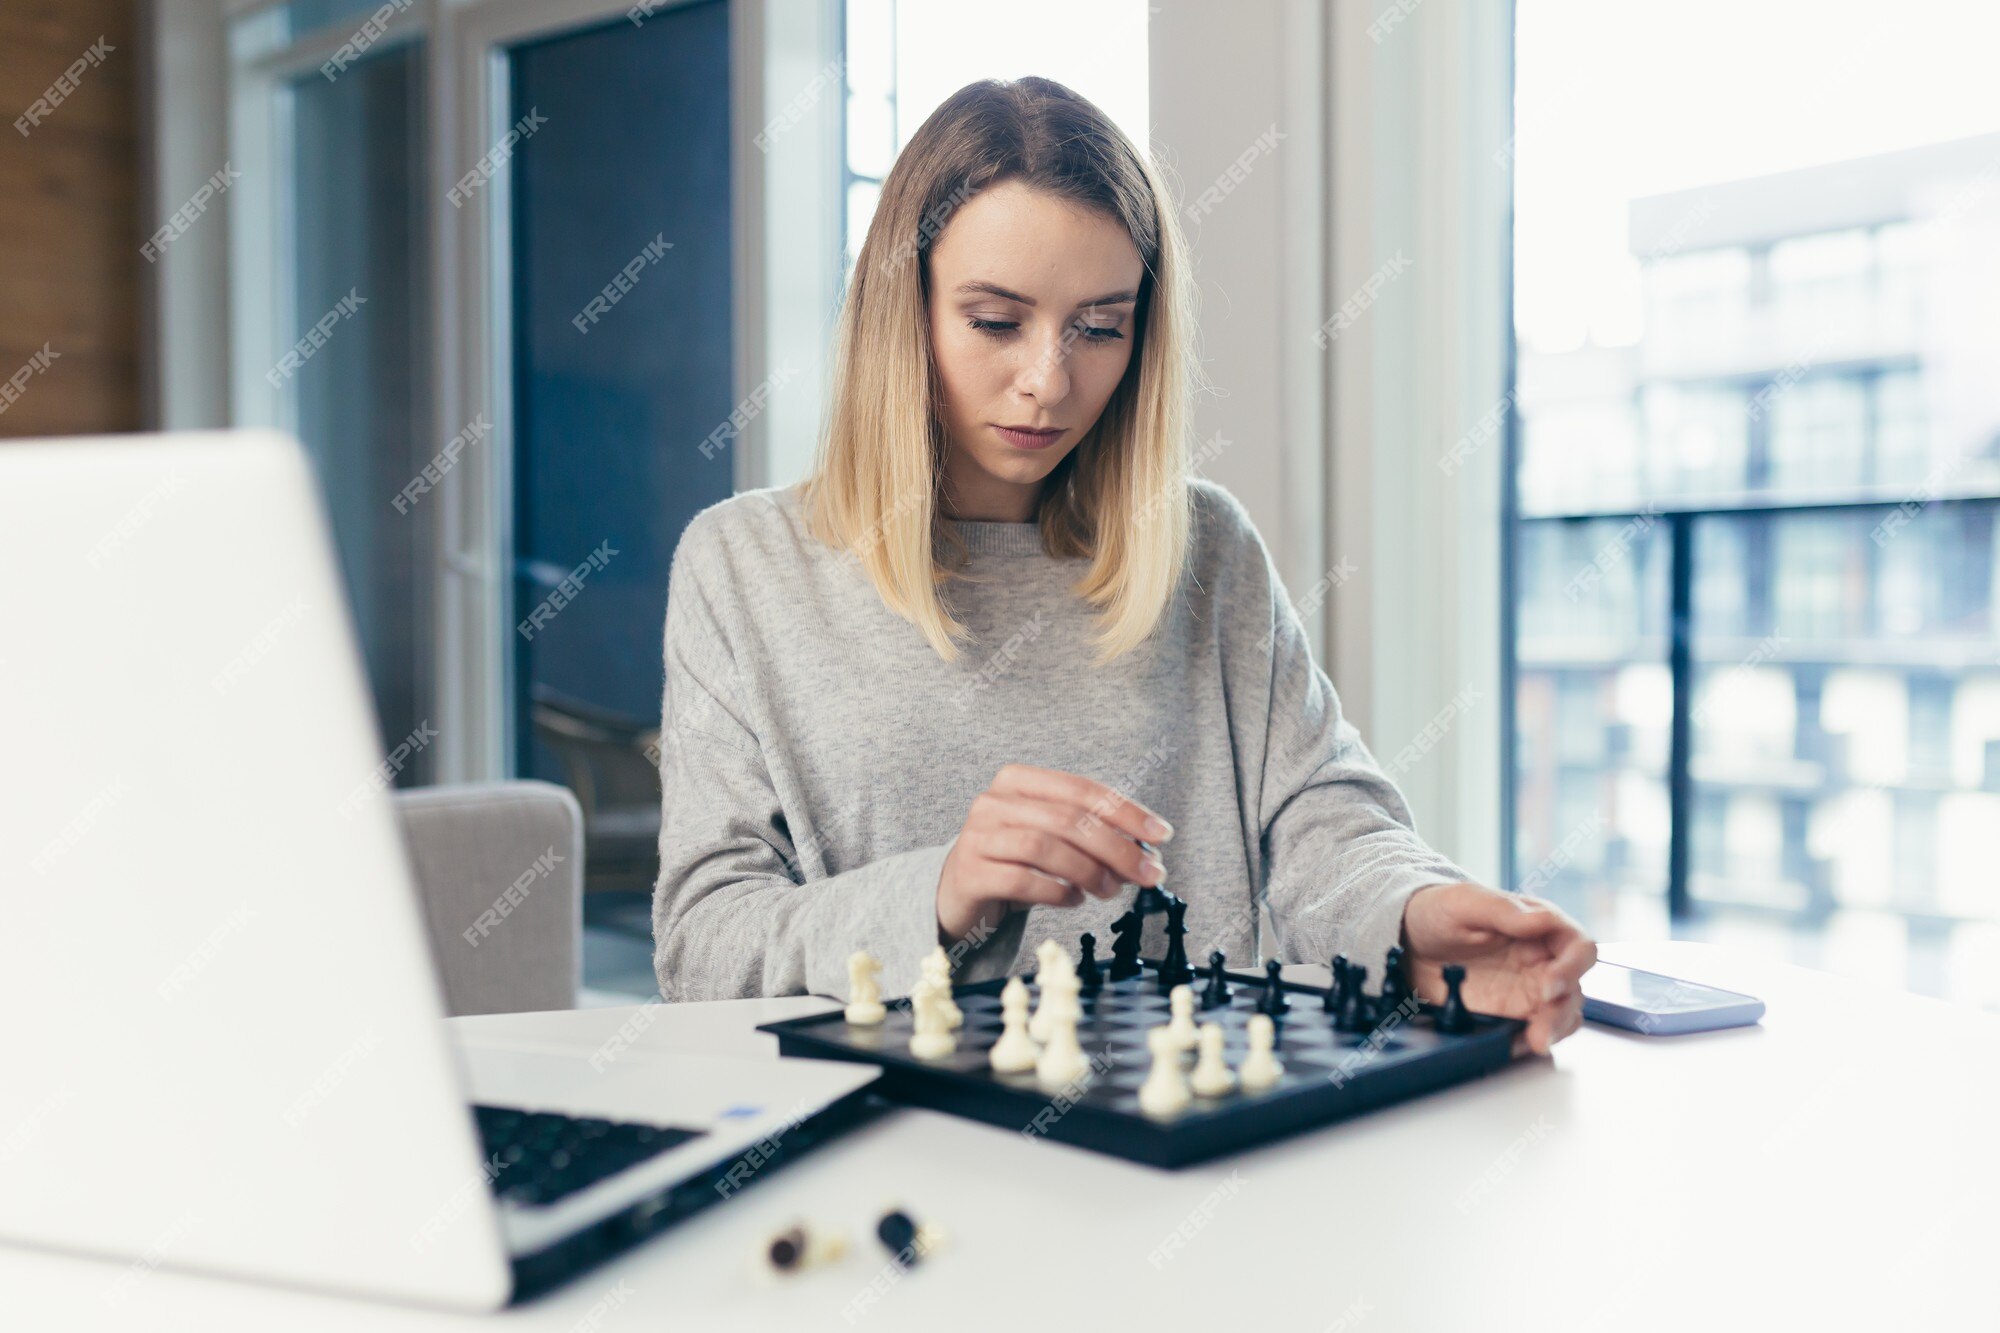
940	691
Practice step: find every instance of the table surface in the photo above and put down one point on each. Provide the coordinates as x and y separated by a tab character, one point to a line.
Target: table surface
1834	1167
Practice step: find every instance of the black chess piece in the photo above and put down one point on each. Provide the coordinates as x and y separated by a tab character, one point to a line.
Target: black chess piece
1395	986
1454	1016
1174	969
1151	899
1336	992
1088	973
1216	993
1125	947
1272	1001
1357	1014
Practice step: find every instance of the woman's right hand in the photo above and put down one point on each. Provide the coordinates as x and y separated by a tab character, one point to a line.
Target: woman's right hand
1040	836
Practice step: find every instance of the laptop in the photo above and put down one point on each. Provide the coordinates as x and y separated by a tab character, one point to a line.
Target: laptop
224	1047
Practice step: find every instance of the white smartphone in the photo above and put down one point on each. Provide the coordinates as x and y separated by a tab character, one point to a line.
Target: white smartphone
1662	1006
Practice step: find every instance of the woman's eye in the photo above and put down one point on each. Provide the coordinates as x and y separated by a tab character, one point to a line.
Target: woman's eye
1000	328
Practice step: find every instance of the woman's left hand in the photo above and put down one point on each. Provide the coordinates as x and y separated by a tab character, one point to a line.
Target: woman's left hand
1523	957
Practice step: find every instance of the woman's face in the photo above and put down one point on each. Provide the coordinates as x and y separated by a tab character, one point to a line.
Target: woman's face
1032	307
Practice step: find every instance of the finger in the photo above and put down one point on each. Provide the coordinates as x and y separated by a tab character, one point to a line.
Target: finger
1094	800
1572	960
1024	884
1124	858
1520	917
1051	854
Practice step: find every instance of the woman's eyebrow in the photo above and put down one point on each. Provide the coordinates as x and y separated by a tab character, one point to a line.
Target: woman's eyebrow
994	289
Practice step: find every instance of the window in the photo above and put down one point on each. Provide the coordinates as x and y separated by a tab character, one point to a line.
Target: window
1754	632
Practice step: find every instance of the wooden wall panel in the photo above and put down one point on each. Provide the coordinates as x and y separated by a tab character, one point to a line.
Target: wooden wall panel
70	270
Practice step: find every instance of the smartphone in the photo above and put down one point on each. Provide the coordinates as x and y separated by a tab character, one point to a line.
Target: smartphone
1662	1006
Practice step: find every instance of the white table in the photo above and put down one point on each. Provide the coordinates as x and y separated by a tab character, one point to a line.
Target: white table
1836	1167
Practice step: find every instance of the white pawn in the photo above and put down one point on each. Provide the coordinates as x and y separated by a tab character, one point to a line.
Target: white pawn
932	1039
864	989
1062	1061
1260	1068
1165	1091
1056	979
1015	1052
937	971
1181	1001
1211	1072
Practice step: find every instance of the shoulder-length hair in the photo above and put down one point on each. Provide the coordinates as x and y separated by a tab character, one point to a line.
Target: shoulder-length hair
1121	496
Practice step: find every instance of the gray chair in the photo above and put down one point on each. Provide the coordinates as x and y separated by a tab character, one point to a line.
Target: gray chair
514	850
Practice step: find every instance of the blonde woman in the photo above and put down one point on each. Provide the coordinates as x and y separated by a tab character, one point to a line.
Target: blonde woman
939	692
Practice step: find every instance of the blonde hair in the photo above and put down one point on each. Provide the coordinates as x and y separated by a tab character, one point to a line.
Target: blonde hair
1121	496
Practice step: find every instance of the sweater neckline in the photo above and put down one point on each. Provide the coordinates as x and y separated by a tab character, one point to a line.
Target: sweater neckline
992	537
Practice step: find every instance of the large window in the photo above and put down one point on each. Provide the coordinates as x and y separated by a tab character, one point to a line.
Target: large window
1758	676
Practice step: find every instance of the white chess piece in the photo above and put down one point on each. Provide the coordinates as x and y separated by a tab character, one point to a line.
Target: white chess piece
932	1039
1016	1051
1181	1001
1056	980
1211	1072
1062	1061
1165	1091
1260	1068
864	989
937	970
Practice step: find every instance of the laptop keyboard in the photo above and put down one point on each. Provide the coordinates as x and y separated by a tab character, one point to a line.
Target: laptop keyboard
546	1155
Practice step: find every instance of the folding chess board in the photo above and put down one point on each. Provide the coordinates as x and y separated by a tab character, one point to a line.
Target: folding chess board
1329	1074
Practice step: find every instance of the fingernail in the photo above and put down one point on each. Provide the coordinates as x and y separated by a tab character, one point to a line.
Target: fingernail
1553	989
1107	882
1158	828
1153	868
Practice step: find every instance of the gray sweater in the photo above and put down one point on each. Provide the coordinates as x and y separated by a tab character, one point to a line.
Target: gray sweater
818	759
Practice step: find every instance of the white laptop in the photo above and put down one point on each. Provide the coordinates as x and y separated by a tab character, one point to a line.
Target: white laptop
224	1046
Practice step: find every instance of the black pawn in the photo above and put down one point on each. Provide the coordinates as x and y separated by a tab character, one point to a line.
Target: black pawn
1356	1014
1125	947
1395	989
1087	971
1174	969
1338	990
1272	1001
1454	1016
1216	993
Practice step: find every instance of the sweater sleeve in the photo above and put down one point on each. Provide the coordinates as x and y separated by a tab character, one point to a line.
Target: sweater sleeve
731	918
1340	847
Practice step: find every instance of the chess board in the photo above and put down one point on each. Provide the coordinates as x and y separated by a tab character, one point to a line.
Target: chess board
1328	1076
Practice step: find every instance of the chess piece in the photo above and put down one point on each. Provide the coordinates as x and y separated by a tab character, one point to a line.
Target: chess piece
800	1247
1088	972
1165	1091
1174	969
864	990
1016	1051
1056	980
1357	1015
1337	992
1272	1001
931	1037
1454	1016
1211	1077
1216	993
1260	1068
1395	986
937	970
1062	1062
1125	946
1181	1002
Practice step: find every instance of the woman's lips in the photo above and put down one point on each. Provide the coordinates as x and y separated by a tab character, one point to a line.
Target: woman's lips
1027	439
